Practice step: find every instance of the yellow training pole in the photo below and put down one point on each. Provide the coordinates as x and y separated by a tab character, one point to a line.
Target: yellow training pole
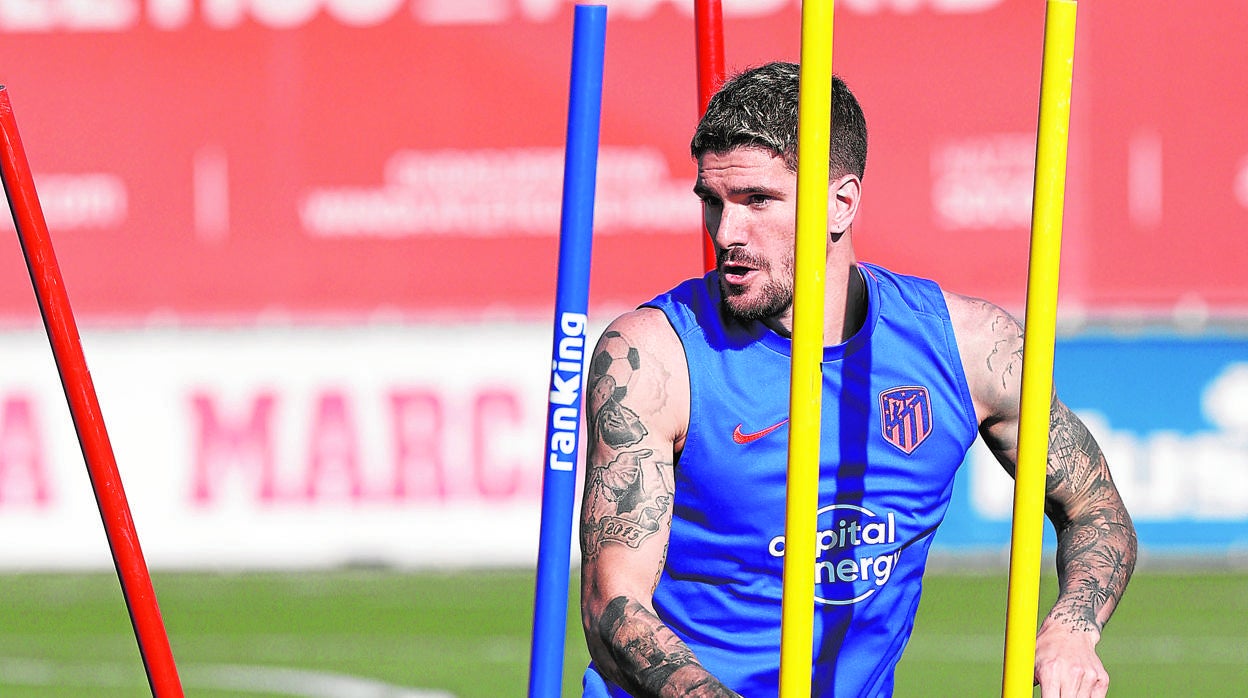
1040	327
806	386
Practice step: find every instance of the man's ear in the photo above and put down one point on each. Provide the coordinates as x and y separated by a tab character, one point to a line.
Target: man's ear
844	192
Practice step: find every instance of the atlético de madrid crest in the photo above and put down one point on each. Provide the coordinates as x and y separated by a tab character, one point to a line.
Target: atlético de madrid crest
906	417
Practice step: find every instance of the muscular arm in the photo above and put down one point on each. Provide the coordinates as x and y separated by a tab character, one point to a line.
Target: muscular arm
1096	542
637	413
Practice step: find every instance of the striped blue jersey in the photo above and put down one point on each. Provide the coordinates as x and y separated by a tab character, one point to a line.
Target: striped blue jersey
897	420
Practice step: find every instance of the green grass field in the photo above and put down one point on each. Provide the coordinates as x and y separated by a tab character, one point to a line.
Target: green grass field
375	634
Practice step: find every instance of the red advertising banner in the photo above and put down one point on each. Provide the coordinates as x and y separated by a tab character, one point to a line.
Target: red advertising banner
224	160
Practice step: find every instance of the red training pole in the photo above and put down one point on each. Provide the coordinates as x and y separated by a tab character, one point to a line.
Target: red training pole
136	584
708	16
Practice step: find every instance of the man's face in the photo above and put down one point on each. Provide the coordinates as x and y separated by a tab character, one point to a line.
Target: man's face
749	199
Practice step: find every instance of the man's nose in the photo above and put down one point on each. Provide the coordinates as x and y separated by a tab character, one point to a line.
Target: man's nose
732	227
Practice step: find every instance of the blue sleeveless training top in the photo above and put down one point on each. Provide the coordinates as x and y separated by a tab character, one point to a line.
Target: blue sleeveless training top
897	420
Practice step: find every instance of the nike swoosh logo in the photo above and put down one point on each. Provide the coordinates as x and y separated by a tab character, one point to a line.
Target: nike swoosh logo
743	438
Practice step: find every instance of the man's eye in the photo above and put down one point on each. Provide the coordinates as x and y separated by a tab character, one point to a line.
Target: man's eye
759	199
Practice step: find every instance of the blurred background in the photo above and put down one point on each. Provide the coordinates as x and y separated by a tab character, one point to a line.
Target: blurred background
311	246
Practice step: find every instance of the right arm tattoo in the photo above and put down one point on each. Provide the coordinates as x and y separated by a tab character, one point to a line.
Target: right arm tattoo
629	490
628	493
625	501
651	659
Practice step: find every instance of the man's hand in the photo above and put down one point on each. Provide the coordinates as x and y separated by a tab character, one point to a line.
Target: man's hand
1066	662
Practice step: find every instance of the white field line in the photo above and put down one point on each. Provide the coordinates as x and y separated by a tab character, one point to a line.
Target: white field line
279	681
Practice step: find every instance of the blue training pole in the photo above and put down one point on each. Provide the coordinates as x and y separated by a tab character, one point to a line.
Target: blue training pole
563	430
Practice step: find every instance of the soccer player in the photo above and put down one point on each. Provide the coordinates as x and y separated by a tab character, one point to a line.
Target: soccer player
682	519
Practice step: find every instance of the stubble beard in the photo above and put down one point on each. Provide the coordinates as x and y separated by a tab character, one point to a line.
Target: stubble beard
772	300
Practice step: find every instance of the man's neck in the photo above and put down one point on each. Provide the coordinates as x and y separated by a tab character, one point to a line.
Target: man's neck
853	311
844	309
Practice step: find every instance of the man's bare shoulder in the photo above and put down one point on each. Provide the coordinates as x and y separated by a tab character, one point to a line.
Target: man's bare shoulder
644	319
648	330
643	344
990	341
976	318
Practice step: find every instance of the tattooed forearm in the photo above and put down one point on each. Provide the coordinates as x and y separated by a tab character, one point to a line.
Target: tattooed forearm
1096	556
649	659
1096	548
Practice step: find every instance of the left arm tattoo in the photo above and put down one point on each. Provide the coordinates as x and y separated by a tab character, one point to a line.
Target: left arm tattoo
1096	541
1006	357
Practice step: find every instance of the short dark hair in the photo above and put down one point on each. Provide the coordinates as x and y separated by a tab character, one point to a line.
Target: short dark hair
759	108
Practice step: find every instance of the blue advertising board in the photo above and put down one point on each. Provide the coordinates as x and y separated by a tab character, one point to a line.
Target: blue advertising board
1171	414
